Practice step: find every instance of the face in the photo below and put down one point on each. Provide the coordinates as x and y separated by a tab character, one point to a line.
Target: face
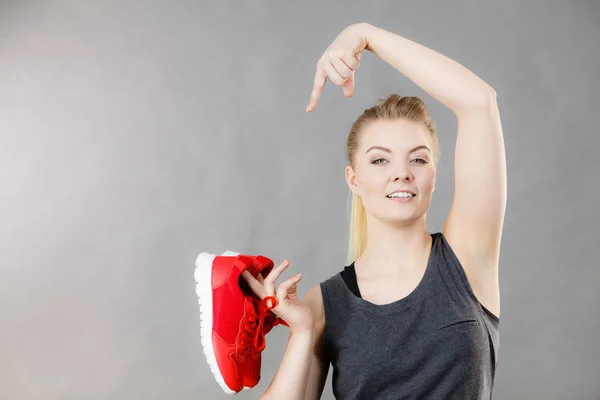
386	161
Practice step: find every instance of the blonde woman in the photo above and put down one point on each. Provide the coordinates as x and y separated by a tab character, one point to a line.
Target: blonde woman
413	314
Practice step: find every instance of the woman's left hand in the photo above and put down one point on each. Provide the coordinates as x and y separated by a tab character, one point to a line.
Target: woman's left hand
339	62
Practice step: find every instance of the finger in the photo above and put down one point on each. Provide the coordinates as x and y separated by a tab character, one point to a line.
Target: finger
332	74
257	287
269	283
342	69
318	85
276	272
349	86
285	285
282	290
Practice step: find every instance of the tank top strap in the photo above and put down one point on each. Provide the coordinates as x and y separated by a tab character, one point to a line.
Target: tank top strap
335	307
335	296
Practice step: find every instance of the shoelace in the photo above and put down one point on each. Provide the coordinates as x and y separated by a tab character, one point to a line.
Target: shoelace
255	324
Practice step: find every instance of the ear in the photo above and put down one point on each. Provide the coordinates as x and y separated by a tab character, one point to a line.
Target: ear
351	180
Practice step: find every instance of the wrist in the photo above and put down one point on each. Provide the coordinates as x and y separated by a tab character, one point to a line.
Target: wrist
305	331
365	31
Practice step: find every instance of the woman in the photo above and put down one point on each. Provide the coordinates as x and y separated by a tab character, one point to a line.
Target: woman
414	315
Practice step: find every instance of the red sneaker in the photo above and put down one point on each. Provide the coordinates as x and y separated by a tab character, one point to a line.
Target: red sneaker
225	314
233	323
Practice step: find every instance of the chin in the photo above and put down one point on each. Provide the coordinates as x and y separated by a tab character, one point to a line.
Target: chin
398	218
406	216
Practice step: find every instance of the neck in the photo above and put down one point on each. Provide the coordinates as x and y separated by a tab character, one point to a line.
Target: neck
393	249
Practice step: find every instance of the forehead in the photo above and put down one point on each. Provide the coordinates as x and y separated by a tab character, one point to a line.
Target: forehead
397	134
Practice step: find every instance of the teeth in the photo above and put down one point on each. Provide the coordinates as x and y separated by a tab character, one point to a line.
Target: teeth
400	194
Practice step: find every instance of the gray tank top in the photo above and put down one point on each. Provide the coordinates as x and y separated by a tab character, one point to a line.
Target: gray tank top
438	342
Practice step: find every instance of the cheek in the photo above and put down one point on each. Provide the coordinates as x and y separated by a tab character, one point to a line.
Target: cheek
428	178
372	183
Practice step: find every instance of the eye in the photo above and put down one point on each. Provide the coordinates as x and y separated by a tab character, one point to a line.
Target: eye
420	160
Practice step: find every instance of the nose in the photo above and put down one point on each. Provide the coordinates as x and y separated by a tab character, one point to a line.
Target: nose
406	178
402	172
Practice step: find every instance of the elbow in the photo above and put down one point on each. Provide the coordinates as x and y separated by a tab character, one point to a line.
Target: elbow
482	102
484	98
490	96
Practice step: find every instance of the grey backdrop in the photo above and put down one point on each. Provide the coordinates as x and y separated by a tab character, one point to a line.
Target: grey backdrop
134	135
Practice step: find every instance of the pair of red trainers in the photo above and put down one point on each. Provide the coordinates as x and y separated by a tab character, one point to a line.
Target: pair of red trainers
233	320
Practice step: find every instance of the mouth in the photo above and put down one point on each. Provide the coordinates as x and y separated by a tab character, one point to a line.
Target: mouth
392	196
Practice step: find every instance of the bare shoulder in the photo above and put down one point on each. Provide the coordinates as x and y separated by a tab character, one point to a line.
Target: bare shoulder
314	299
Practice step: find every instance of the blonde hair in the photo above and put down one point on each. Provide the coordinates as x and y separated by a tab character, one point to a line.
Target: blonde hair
394	107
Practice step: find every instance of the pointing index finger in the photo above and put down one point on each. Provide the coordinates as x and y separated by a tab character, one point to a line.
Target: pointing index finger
318	85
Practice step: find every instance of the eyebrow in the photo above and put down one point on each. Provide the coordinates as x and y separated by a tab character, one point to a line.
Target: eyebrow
389	151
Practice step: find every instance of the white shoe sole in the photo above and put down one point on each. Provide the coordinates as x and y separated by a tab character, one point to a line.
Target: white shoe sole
203	277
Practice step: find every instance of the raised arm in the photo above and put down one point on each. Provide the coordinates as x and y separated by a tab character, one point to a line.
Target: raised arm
475	221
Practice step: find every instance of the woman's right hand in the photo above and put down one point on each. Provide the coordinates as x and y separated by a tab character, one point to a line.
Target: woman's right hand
296	314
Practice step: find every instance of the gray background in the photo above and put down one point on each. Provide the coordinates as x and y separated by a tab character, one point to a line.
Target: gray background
134	135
